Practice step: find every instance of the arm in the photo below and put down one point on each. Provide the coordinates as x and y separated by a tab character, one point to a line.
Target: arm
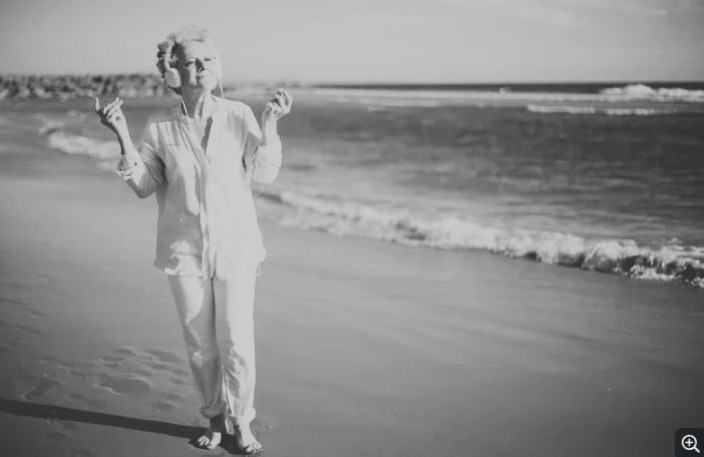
143	170
262	155
262	150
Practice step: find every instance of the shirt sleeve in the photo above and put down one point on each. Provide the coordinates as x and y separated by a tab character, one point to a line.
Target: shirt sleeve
261	161
144	173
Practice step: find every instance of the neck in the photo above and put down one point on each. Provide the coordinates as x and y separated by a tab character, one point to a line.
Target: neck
199	104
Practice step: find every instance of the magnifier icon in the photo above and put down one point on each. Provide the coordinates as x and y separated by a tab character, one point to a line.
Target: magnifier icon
689	443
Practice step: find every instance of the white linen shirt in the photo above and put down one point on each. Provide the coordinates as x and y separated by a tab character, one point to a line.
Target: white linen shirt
207	221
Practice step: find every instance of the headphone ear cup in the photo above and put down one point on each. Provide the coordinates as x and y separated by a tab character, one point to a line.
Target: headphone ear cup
172	78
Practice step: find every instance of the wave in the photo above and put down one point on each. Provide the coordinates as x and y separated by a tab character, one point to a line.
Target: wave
595	110
105	153
636	92
643	92
668	262
392	103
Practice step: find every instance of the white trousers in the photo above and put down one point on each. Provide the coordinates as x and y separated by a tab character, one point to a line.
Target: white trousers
217	315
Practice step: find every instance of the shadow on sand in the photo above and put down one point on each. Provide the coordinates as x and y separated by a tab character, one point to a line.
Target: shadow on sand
190	433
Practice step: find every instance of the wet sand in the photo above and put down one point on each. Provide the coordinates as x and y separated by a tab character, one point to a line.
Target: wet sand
364	348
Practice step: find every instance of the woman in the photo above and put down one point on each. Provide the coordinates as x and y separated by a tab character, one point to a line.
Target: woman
199	157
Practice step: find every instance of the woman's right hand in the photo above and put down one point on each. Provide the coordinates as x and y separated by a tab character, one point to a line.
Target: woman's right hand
111	115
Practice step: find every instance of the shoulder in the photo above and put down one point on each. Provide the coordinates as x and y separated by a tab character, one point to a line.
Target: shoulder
235	107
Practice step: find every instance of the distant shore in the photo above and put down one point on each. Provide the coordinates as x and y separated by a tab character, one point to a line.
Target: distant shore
127	85
151	84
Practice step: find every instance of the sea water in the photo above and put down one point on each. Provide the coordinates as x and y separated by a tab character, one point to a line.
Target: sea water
594	177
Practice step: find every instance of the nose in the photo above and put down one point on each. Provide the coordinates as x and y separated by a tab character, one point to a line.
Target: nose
200	65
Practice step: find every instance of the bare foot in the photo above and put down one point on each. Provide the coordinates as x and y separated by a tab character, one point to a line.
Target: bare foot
246	440
213	435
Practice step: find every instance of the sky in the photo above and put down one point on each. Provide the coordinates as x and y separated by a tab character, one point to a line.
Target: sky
368	41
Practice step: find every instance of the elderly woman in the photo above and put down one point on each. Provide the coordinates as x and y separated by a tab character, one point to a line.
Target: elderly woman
199	158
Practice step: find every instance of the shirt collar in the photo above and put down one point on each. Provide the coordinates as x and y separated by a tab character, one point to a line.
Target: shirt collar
181	114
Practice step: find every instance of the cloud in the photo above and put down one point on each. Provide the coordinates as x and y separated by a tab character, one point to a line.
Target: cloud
641	8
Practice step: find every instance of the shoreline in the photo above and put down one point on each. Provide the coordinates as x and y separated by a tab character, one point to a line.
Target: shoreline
363	347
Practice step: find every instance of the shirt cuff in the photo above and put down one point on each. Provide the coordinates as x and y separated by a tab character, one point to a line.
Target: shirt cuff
271	151
126	167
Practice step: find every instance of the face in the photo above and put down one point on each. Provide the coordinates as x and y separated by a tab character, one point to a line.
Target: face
197	64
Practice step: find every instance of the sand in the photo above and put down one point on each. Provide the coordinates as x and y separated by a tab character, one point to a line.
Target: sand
363	348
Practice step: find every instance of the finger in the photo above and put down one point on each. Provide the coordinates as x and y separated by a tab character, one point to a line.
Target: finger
107	109
115	102
96	105
271	107
285	95
284	103
289	99
113	109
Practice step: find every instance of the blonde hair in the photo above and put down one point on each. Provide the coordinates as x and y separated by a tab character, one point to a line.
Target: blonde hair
166	55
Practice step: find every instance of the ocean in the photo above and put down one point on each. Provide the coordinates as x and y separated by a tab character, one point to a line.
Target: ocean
599	177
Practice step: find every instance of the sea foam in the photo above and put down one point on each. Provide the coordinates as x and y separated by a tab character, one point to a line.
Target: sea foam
596	110
635	92
105	153
670	261
643	92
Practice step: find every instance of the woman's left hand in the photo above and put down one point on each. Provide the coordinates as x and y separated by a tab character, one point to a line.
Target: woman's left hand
277	107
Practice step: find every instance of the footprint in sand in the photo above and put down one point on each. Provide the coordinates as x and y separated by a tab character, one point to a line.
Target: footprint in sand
87	402
162	406
41	387
172	396
164	356
181	382
158	366
152	359
78	374
126	351
120	385
112	359
29	331
58	430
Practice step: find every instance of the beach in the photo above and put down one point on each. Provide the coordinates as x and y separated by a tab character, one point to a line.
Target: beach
364	348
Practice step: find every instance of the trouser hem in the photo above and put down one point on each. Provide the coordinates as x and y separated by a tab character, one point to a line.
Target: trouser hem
213	411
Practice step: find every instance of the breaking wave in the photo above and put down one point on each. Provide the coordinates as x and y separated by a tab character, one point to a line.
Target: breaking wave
643	92
104	153
401	97
595	110
668	262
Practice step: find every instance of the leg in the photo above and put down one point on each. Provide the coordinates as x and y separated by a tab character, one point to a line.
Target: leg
194	301
234	309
